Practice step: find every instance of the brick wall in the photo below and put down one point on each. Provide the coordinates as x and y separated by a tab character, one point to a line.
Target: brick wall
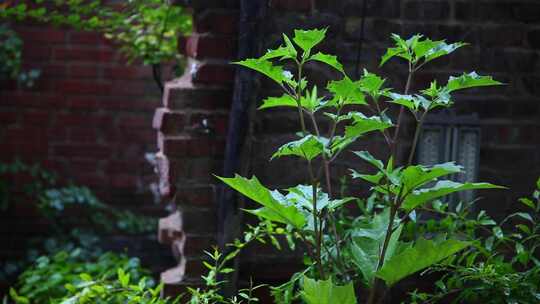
505	42
87	118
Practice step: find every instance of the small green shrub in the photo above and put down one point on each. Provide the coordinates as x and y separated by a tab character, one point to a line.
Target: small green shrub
10	57
51	278
146	30
501	267
54	203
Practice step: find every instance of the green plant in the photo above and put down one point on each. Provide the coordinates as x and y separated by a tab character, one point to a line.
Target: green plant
10	56
73	278
501	267
369	251
145	30
218	266
55	204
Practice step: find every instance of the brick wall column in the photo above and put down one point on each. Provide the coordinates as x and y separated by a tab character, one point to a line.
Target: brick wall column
191	127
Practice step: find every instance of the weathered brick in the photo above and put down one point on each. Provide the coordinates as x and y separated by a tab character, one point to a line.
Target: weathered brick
83	87
207	46
84	71
199	222
217	22
84	37
168	122
170	228
215	74
83	54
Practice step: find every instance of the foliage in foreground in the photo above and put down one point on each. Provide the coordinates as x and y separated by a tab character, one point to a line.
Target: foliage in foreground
369	250
11	59
503	266
57	204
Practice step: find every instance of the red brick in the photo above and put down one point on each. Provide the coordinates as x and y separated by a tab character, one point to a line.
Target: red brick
131	104
124	181
83	134
195	245
82	102
218	22
52	70
218	121
202	196
8	118
189	147
84	71
48	35
83	87
216	74
174	147
89	151
37	53
207	46
83	37
134	121
32	99
134	88
78	119
82	54
36	118
168	170
168	122
199	222
128	72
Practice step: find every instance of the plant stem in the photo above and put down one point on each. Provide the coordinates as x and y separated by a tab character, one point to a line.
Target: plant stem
317	231
395	206
299	98
400	115
326	166
416	136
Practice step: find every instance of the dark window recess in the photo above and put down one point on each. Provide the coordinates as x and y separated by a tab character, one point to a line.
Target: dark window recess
447	137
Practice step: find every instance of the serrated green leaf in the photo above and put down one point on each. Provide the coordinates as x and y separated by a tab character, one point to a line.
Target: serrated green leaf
347	91
423	254
308	147
362	124
302	196
441	188
325	292
289	46
441	49
307	39
407	101
365	155
282	101
272	209
470	80
266	67
282	52
371	84
372	178
330	60
367	240
413	177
